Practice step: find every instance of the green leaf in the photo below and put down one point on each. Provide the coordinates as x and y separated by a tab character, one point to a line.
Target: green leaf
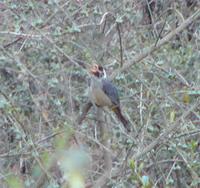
119	19
74	29
170	181
193	92
193	144
14	182
97	11
172	116
53	82
3	103
37	22
177	167
141	166
132	164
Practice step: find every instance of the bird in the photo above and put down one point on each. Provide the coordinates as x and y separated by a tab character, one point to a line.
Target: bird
103	93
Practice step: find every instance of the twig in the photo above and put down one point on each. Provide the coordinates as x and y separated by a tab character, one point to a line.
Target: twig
181	78
163	162
188	134
159	35
22	34
13	42
120	44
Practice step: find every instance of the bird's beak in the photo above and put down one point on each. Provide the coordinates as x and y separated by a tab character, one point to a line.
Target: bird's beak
93	70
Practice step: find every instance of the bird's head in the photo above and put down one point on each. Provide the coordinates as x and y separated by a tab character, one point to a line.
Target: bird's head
98	71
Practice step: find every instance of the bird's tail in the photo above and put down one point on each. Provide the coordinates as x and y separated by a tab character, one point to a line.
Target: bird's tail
122	118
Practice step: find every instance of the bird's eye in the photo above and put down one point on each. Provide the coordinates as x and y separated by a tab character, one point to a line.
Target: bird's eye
100	68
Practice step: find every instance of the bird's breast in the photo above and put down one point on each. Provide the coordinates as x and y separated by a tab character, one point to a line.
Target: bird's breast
98	96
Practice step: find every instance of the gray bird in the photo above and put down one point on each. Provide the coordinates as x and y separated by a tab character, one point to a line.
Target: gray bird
102	92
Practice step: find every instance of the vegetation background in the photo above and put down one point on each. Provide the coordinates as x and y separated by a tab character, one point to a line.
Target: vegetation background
152	52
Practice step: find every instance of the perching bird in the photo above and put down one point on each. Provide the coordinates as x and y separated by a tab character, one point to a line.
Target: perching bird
103	93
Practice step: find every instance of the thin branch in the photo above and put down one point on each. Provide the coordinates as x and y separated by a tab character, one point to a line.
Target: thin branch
84	112
120	44
13	42
22	35
160	33
163	162
188	134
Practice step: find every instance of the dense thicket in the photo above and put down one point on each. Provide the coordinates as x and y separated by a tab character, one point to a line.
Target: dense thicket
45	47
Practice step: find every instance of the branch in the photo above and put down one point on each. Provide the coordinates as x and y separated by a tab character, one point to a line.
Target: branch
120	44
160	43
100	182
13	42
84	112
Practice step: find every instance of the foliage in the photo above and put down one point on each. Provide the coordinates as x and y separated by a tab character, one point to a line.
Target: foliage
43	90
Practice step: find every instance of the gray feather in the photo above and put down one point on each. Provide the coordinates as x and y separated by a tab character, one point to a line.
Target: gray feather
111	91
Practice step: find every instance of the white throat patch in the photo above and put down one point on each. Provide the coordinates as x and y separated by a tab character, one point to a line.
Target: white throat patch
104	74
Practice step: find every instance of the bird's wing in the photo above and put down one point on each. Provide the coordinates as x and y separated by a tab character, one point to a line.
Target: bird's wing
111	91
